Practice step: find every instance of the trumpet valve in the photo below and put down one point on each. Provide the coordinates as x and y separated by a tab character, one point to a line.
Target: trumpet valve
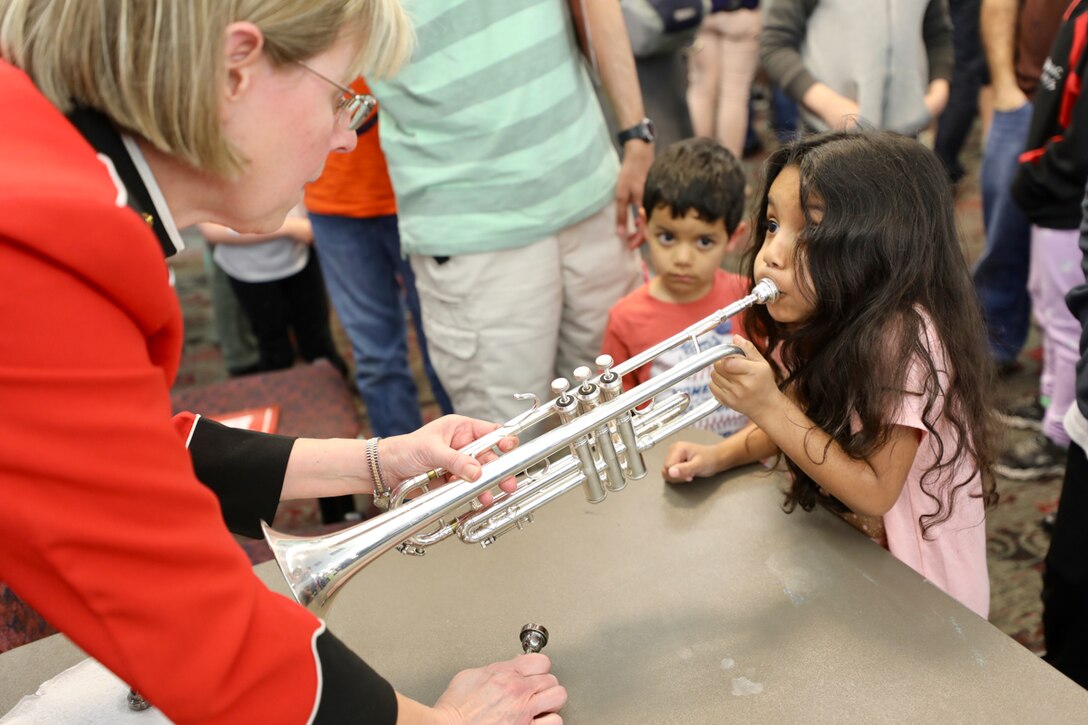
582	374
588	394
605	363
609	382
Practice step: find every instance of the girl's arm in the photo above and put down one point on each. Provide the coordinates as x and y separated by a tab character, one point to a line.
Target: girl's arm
869	486
686	461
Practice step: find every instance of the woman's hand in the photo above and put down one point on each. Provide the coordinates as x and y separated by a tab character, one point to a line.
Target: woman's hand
746	384
686	461
436	445
521	691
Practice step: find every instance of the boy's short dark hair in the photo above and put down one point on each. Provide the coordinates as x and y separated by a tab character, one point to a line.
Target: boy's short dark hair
699	174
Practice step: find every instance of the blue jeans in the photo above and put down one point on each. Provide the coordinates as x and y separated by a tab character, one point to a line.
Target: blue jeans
1001	275
370	285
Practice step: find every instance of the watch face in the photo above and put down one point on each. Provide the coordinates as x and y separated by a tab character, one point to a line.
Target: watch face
648	126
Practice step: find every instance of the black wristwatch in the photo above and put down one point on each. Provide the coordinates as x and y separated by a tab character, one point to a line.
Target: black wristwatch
643	131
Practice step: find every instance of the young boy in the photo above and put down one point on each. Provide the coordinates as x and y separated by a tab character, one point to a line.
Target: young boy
693	202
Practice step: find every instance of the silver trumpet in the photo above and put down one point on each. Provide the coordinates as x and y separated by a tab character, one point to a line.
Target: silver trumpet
601	433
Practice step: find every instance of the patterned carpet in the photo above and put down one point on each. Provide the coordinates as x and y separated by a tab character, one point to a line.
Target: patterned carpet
1017	544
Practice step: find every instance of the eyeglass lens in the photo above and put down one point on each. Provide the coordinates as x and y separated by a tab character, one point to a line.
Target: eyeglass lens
356	109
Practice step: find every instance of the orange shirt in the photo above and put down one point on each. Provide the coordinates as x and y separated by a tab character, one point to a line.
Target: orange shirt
355	184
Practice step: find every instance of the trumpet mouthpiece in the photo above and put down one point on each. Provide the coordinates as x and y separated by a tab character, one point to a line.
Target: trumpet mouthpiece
765	291
533	637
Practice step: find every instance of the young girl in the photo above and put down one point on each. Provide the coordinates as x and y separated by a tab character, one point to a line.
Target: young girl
873	378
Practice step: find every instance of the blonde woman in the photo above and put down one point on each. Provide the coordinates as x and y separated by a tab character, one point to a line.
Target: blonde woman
123	120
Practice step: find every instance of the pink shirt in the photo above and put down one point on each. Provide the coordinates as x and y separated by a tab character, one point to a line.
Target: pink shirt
953	556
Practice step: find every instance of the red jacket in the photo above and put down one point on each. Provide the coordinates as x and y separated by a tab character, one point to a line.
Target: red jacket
104	528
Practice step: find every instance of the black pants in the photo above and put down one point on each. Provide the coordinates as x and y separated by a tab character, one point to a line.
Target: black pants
297	303
969	74
1065	580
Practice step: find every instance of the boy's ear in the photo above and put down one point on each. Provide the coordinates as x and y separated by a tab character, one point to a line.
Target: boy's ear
739	238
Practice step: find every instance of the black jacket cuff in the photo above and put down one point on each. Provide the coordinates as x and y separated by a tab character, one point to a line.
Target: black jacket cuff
350	690
244	469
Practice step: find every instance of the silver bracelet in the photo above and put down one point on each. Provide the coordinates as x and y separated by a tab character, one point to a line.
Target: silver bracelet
380	491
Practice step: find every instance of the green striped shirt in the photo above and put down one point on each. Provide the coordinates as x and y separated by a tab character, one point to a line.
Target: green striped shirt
493	133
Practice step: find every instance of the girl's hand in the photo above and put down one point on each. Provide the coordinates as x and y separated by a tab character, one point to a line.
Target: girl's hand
686	461
436	445
745	384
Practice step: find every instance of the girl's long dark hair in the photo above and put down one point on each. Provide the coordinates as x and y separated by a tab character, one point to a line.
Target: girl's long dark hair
884	250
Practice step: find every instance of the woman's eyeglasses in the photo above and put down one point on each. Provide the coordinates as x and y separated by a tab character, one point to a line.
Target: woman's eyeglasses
352	108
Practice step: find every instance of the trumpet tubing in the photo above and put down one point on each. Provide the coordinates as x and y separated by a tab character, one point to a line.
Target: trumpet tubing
603	436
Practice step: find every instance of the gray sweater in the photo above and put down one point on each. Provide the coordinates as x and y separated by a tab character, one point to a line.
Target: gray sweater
880	53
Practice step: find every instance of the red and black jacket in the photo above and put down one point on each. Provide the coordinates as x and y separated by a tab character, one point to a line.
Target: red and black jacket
1049	184
110	527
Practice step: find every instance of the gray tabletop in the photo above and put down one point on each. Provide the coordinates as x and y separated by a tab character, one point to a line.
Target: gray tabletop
691	604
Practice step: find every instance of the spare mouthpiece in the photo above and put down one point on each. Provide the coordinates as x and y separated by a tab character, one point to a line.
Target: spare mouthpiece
533	637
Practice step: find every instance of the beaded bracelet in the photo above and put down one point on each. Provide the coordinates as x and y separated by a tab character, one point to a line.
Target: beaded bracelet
375	467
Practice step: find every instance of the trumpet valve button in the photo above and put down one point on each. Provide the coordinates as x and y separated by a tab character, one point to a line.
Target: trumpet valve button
560	386
582	374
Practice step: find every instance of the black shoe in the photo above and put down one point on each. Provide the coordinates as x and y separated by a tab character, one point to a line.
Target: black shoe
247	370
1032	459
1026	414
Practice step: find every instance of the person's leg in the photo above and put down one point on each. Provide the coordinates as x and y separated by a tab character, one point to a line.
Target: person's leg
664	80
411	296
1000	275
785	117
968	74
1036	291
1065	579
703	79
492	325
308	313
266	309
738	58
1056	267
361	281
232	329
598	270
